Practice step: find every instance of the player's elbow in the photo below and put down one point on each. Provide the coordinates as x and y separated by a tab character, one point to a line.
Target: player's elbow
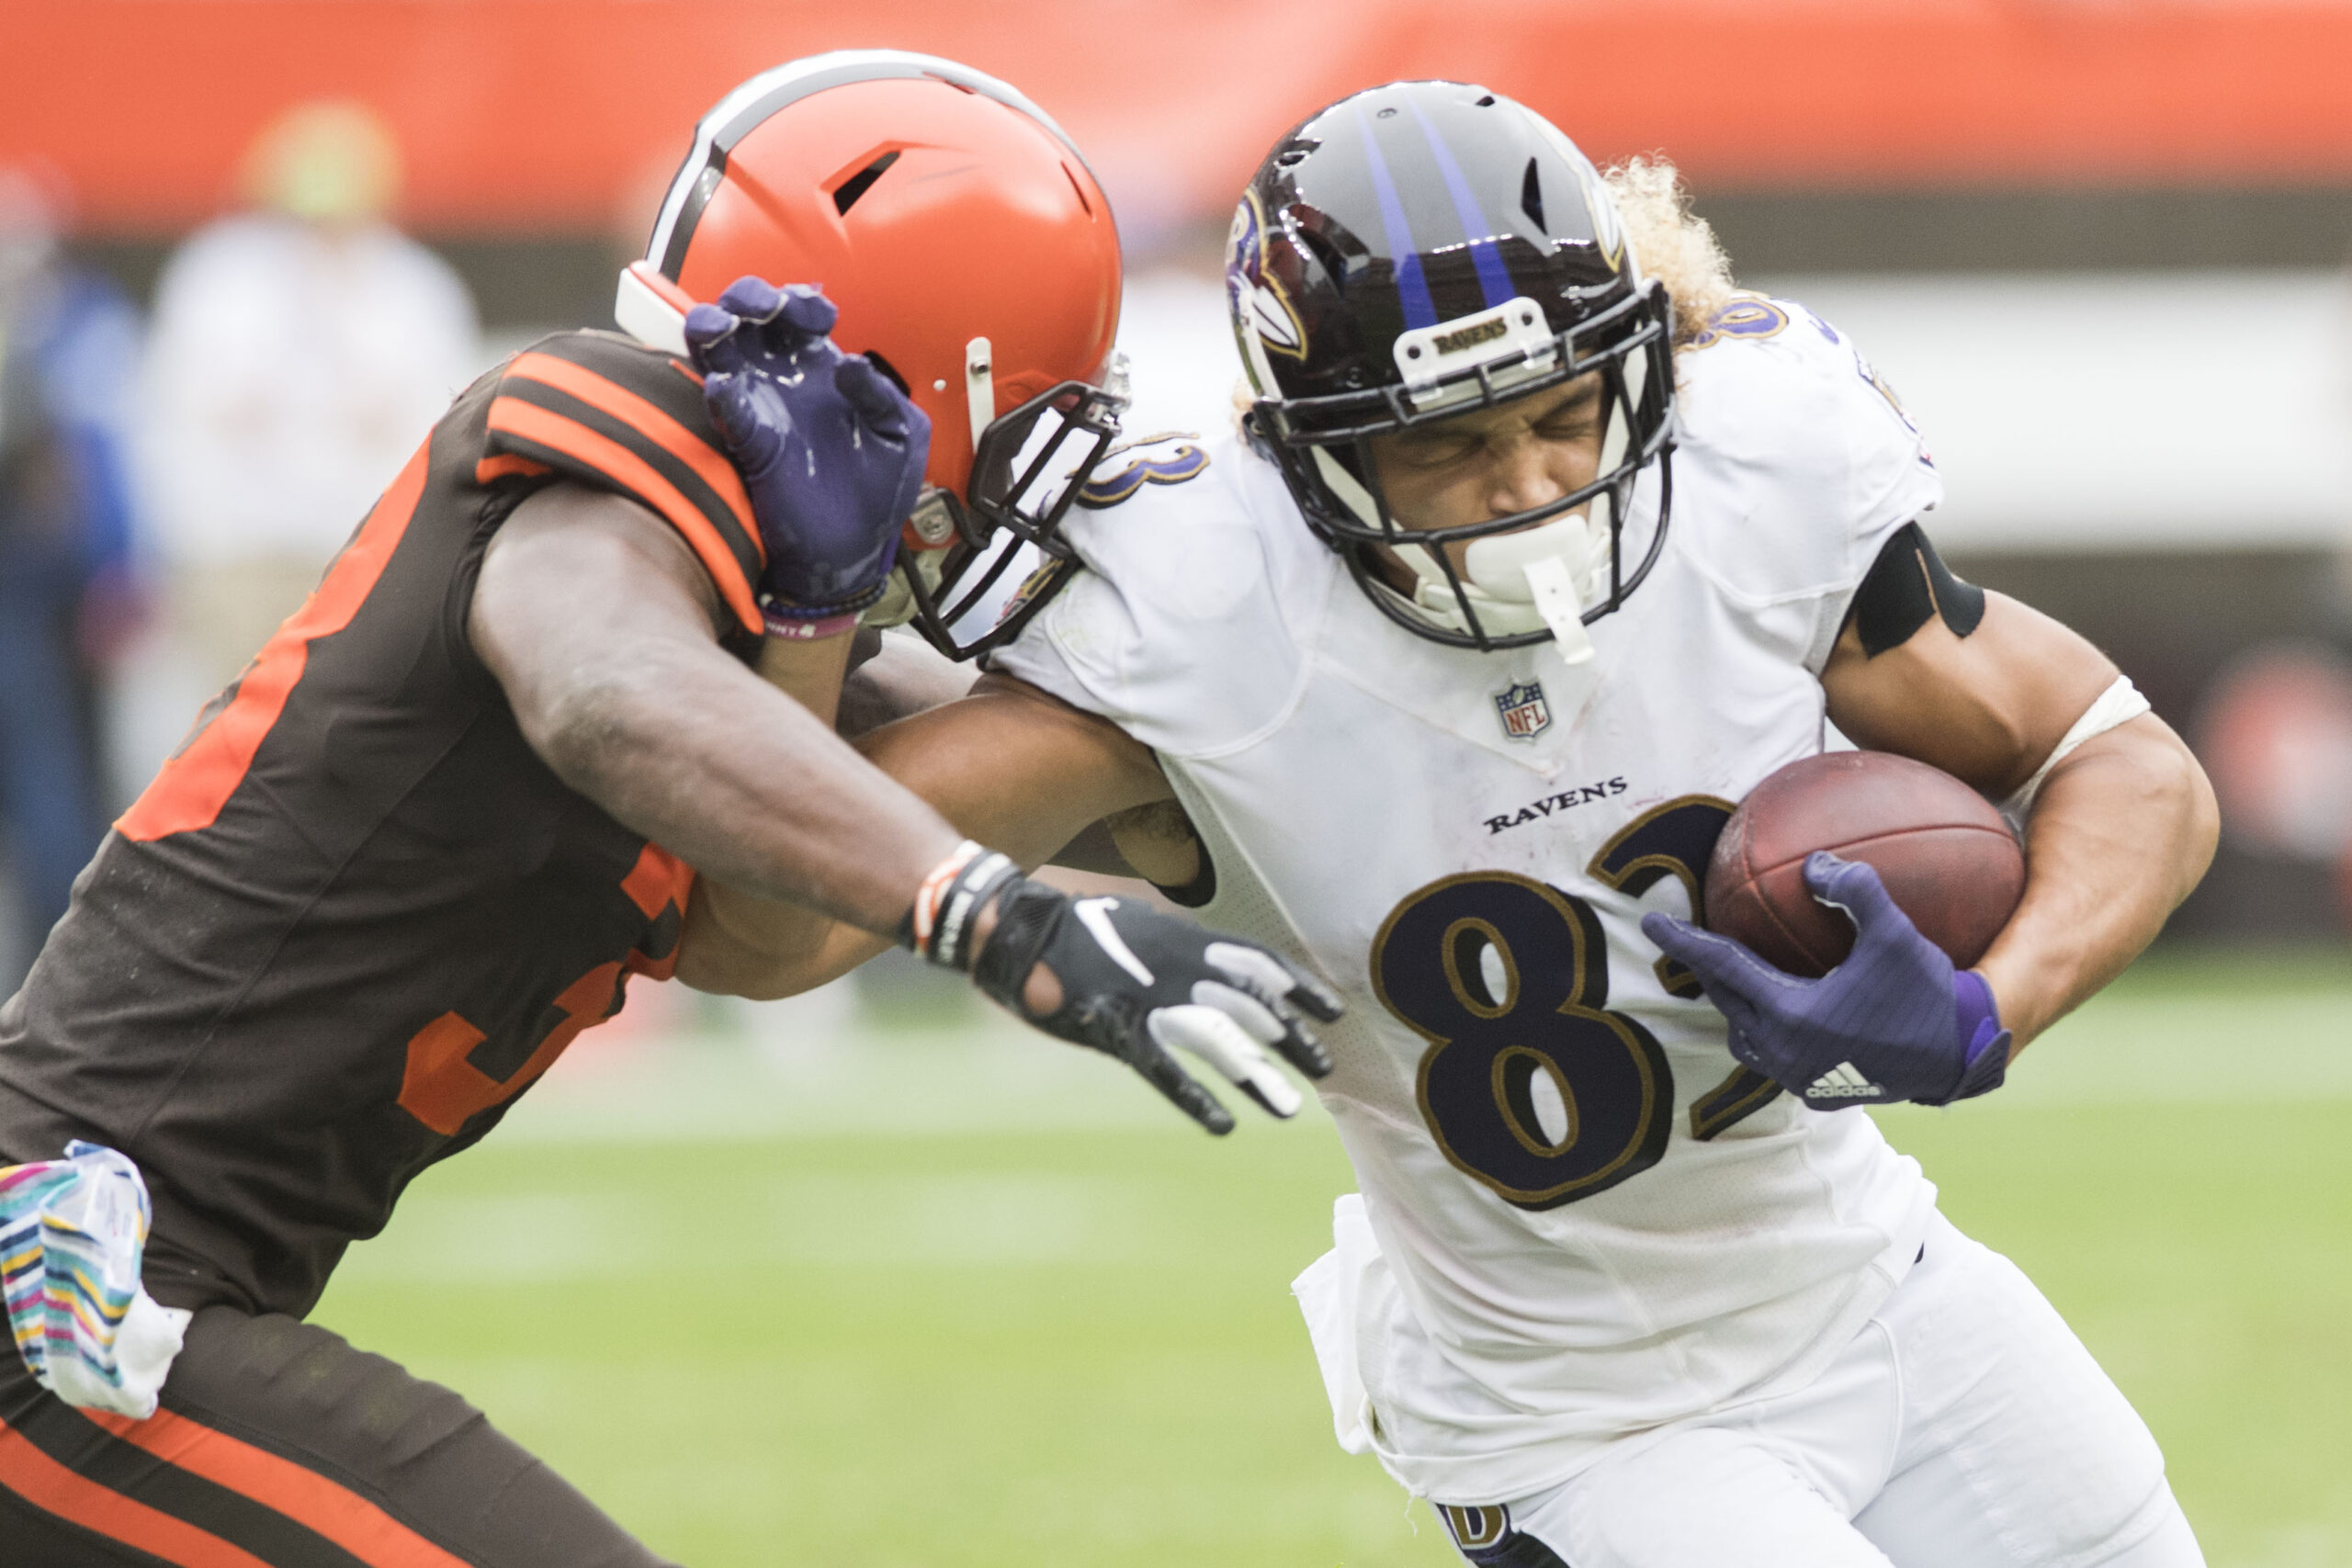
733	944
752	984
2179	803
723	969
706	967
2154	790
2200	814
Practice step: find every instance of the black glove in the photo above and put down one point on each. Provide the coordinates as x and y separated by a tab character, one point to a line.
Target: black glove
1133	982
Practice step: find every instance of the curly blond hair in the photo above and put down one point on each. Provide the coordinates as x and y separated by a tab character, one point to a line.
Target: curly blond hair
1672	243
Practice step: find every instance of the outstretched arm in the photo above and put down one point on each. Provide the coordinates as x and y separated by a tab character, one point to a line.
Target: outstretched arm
598	622
2122	828
1023	771
1008	765
831	457
599	626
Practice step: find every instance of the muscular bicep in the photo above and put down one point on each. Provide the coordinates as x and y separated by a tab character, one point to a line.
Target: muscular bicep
603	633
573	585
1987	707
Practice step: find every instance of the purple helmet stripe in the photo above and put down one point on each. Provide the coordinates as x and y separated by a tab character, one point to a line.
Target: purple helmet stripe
1494	279
1412	288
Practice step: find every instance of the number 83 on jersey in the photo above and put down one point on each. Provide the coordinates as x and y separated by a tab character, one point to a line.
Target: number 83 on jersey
1508	980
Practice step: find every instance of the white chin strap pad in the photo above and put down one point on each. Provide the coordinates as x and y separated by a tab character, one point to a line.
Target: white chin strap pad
1556	599
1542	576
1517	582
1498	564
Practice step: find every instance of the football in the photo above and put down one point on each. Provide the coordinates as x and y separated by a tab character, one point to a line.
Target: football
1945	854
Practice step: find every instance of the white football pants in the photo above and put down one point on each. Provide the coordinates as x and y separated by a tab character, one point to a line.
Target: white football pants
1965	1427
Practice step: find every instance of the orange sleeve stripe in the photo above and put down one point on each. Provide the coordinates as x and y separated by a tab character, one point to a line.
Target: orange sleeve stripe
650	420
513	416
53	1488
499	467
196	783
310	1499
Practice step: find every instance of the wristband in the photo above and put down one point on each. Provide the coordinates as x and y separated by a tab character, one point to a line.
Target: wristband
809	631
1024	921
787	619
1975	1022
1984	1043
950	899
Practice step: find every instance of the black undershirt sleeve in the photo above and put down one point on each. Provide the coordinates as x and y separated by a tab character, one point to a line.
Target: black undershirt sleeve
1907	584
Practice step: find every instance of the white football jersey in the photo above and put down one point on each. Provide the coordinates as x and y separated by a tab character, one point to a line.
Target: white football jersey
1580	1218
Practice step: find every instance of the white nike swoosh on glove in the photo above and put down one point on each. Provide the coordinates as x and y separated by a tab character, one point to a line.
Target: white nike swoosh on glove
1095	914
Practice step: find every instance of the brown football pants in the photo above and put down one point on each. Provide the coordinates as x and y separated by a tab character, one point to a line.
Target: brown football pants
279	1446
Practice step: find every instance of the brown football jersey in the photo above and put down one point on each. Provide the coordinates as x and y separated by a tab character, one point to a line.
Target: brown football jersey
356	915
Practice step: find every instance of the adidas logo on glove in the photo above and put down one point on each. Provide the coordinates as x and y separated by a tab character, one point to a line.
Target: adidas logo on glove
1842	1082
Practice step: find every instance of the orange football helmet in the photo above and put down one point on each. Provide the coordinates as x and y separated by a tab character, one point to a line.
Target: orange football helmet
972	255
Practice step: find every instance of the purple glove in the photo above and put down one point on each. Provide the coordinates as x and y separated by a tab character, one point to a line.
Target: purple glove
831	453
1893	1022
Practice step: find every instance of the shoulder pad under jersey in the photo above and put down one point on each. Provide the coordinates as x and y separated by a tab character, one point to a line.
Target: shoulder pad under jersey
1182	630
606	411
1169	457
1793	459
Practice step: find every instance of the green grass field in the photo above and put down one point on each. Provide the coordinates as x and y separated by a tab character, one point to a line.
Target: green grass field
958	1297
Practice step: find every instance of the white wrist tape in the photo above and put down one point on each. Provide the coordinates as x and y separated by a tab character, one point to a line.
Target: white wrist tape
2118	705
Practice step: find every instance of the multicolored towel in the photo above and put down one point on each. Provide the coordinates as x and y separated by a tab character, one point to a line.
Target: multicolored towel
72	1233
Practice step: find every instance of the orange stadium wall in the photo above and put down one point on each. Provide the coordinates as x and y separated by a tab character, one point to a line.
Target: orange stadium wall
1879	137
536	115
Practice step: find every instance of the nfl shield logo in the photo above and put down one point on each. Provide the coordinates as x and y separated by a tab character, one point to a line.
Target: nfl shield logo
1525	714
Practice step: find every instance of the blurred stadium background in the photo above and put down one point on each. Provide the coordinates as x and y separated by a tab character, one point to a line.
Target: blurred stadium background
986	1302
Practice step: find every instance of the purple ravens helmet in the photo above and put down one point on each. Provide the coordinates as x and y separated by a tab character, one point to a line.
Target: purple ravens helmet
1426	248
